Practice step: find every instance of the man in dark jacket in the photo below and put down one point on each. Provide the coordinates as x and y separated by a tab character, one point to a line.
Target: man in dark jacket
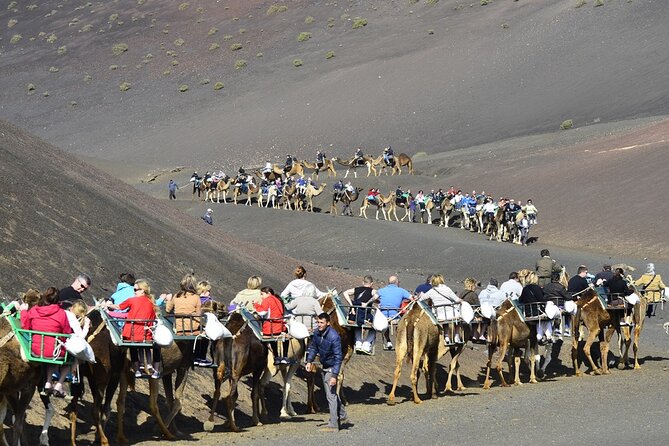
578	283
327	344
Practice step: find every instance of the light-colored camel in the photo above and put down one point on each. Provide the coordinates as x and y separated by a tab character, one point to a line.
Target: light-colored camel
380	202
345	197
429	205
271	197
328	166
310	194
595	317
419	339
295	356
392	209
400	161
368	161
446	211
508	331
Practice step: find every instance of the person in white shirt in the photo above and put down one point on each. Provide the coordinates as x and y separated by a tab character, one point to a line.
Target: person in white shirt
443	300
512	287
298	286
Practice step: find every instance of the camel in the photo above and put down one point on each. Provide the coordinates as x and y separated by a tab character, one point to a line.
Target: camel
427	207
18	381
399	161
380	202
419	339
173	359
271	176
508	331
595	317
347	198
272	194
446	213
311	193
351	165
401	203
223	185
328	165
288	195
252	189
296	169
295	355
240	355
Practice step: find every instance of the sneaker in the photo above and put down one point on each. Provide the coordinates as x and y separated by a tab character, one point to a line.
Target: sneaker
205	363
155	374
138	374
358	346
389	346
447	340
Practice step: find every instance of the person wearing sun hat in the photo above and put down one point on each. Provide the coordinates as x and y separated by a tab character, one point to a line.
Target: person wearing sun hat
207	217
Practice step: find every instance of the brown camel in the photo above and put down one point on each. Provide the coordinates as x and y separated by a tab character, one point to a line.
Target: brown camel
591	311
271	176
367	161
446	213
222	186
420	339
252	189
402	204
328	165
296	169
240	355
288	195
508	331
400	161
18	381
380	202
347	198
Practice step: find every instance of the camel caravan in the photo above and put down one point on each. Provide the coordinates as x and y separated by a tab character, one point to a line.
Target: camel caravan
51	341
290	187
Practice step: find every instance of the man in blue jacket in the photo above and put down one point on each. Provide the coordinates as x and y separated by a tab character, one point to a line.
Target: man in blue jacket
327	344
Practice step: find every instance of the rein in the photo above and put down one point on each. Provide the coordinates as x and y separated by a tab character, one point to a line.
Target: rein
96	332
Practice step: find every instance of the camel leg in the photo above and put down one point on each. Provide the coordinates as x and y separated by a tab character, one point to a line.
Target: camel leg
592	335
400	354
502	352
635	345
154	389
414	377
218	375
534	354
3	414
230	402
516	362
177	397
604	349
429	217
491	351
312	407
48	415
256	396
97	415
264	379
120	405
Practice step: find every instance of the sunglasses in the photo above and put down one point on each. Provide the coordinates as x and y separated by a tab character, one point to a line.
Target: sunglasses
138	289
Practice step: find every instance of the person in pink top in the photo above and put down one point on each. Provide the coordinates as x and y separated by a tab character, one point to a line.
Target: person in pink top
47	316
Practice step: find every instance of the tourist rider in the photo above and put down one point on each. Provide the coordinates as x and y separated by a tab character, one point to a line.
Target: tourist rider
288	165
389	156
363	296
250	295
602	277
512	287
443	302
531	212
391	297
578	283
425	286
267	170
297	286
532	294
72	293
305	306
48	316
618	287
326	343
271	310
545	267
491	294
142	309
187	309
471	296
339	190
358	157
320	160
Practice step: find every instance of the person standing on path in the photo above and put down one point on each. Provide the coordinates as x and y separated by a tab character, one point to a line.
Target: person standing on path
327	344
172	187
207	217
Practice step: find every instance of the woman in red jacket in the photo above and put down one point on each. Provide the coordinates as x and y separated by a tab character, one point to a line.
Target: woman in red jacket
47	316
141	307
270	309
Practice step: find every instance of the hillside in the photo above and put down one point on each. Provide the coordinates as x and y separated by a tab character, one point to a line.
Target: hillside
59	216
422	76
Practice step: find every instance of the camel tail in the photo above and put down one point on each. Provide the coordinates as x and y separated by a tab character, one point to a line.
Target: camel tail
409	337
492	332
